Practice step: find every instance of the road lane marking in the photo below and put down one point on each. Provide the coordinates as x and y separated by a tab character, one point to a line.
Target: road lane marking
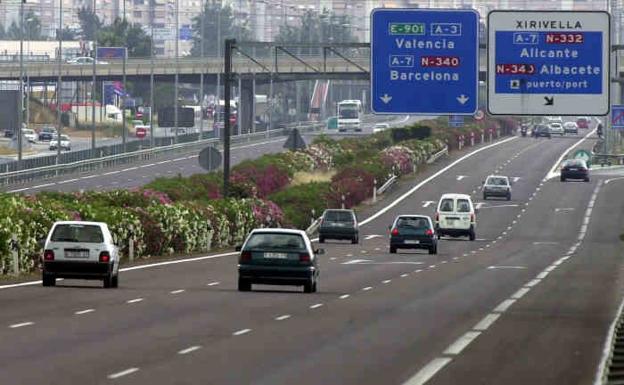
404	275
316	306
503	306
282	317
188	350
368	237
187	260
493	267
460	177
241	332
553	173
356	261
461	343
214	283
21	325
81	312
387	281
367	288
122	373
542	275
134	300
427	203
344	296
177	291
432	266
533	283
545	243
486	322
427	372
520	293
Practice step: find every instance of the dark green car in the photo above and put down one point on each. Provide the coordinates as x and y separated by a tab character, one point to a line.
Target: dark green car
278	257
339	224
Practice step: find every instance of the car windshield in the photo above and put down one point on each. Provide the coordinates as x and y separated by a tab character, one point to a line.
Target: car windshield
413	222
463	206
338	216
275	241
496	181
446	205
77	233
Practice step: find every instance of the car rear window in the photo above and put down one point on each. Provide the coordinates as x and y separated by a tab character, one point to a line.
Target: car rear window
338	216
77	233
446	205
463	206
497	181
413	222
575	163
263	241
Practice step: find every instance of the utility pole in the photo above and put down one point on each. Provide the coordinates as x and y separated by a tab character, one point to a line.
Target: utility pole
152	109
177	74
229	46
20	115
93	85
124	130
217	107
201	75
59	85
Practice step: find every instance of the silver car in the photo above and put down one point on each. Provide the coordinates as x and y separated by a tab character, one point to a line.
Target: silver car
497	186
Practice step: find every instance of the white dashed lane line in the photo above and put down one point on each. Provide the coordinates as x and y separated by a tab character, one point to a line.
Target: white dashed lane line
387	281
241	332
344	296
486	322
134	300
460	344
188	350
178	291
282	317
367	288
21	325
86	311
213	283
316	306
122	373
503	306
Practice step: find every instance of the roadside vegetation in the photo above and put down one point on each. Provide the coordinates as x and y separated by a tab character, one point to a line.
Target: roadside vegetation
185	215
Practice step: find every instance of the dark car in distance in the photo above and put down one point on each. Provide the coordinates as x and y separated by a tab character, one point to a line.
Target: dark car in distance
47	134
574	169
278	257
541	130
339	224
413	232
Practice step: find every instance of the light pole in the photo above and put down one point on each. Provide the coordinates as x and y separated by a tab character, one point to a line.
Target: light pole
93	84
59	85
177	74
201	75
152	109
20	115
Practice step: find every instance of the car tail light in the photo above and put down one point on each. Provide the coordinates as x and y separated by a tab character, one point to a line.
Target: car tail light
395	231
105	256
304	257
245	256
48	255
429	232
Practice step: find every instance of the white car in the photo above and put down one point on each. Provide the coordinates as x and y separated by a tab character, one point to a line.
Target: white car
456	216
29	134
570	128
497	186
83	60
381	127
556	128
83	250
65	143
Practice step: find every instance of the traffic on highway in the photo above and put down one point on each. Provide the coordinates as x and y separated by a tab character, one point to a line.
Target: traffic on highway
403	224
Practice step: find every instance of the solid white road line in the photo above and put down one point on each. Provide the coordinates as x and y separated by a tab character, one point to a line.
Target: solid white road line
461	343
122	373
486	322
430	370
316	306
81	312
241	332
282	317
152	265
21	325
189	350
504	306
552	173
134	300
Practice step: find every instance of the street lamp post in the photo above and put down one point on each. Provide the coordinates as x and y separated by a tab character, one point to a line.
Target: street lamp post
20	115
177	74
201	75
59	85
93	84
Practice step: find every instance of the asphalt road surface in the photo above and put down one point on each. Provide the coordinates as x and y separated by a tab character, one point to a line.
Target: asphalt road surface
529	302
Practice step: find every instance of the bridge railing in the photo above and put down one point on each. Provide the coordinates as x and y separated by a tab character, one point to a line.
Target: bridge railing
61	170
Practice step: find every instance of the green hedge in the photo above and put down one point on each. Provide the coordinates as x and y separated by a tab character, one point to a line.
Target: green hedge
297	202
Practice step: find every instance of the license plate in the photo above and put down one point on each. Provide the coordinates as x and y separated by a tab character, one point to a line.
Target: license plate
574	169
77	254
411	242
275	255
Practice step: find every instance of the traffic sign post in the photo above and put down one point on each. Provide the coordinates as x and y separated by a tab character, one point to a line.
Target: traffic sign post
548	62
424	61
617	117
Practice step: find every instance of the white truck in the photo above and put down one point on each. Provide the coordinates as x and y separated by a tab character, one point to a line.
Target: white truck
350	115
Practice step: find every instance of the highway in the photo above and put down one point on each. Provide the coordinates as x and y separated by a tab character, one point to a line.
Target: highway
529	302
138	174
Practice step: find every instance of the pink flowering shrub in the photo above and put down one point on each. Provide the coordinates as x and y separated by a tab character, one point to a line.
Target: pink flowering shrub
355	183
402	158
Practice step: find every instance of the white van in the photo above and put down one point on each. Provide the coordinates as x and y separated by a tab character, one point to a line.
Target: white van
456	216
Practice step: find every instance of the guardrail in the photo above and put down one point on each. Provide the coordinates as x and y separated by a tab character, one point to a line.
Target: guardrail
438	155
607	159
313	228
97	164
383	188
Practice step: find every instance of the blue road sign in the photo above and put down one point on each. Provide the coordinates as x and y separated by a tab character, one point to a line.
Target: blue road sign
548	63
424	61
456	120
617	117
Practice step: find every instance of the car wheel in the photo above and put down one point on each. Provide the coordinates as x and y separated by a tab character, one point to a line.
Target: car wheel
108	281
563	179
508	197
48	280
244	284
587	179
315	286
321	239
308	287
433	250
355	240
472	236
393	250
115	281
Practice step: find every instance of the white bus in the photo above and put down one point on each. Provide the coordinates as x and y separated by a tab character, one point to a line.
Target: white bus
349	115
